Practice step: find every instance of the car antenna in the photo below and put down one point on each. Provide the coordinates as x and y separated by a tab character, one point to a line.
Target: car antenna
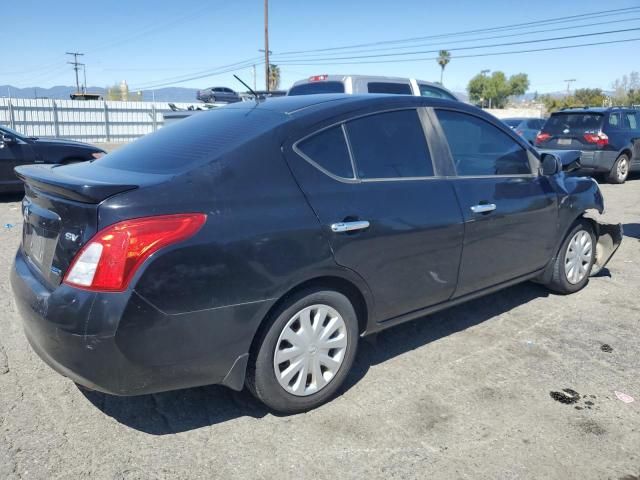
251	90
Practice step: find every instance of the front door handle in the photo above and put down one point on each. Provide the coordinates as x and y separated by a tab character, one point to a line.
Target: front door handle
349	226
483	208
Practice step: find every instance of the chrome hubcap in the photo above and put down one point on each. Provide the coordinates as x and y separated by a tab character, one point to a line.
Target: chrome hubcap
578	257
310	350
623	168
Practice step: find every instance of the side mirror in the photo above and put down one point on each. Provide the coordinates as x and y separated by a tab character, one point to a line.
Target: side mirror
554	162
7	139
550	164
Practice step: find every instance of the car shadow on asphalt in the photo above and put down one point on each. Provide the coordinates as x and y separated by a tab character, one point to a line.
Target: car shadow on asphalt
194	408
11	197
631	230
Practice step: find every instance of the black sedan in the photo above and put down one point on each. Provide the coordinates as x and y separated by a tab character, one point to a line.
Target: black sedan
17	149
256	243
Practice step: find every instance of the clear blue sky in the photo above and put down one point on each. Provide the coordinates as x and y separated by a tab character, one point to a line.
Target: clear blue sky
145	42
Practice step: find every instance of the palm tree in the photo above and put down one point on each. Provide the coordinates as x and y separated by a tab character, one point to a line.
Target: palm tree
444	57
274	77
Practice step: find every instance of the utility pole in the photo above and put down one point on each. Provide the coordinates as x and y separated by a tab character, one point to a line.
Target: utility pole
76	66
569	82
266	44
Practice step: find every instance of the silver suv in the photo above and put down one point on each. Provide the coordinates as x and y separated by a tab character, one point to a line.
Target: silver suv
369	84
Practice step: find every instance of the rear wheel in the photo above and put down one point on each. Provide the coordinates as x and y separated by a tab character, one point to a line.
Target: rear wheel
306	351
574	260
620	170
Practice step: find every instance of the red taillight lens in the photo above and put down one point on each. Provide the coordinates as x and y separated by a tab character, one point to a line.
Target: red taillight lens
110	259
318	78
542	137
600	139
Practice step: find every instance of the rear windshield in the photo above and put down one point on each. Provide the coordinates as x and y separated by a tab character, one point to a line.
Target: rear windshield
317	87
429	91
569	123
389	87
193	141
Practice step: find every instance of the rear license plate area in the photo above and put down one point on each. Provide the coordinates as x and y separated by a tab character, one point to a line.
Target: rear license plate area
564	141
36	243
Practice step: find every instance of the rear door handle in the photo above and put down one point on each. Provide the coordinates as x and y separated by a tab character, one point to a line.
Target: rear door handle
484	208
349	226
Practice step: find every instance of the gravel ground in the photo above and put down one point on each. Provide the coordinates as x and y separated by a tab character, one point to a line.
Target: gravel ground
467	393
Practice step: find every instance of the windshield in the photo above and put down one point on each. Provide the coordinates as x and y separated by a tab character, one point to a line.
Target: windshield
569	123
512	122
317	87
10	131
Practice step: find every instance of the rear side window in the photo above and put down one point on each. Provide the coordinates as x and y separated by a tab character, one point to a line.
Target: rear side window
389	87
328	150
573	123
479	148
535	124
429	91
390	145
615	121
631	120
317	87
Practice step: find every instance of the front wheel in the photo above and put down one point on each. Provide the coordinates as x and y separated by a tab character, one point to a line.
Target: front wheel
620	170
304	354
575	259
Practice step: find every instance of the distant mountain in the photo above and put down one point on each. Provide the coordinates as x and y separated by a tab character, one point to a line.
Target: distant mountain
60	92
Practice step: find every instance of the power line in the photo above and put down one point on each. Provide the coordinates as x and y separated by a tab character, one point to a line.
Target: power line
475	47
549	21
203	74
467	40
627	40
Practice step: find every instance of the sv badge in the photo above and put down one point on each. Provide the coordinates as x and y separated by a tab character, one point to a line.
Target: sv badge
72	237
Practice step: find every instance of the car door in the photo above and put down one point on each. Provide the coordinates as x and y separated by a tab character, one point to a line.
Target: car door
510	211
13	154
370	181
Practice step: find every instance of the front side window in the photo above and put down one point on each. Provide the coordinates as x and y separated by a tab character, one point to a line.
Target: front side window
328	149
389	87
479	148
429	91
390	145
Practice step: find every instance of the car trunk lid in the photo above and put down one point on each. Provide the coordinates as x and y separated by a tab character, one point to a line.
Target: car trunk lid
60	212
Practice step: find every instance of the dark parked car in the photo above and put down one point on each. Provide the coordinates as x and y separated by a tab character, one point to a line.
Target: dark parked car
218	95
609	139
17	149
255	243
527	128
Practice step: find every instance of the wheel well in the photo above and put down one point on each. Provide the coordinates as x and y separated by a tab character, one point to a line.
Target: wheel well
626	152
337	284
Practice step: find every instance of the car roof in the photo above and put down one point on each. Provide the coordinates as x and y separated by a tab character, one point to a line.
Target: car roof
595	109
300	105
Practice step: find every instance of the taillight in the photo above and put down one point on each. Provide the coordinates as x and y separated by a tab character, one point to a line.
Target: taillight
318	78
600	139
110	259
542	137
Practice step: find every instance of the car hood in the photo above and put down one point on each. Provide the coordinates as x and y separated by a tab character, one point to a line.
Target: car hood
65	142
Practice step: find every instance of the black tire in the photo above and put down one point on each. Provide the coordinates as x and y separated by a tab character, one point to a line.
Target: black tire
620	170
559	282
261	377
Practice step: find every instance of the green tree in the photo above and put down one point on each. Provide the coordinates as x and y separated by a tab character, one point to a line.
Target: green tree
582	97
494	90
627	89
274	77
444	57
